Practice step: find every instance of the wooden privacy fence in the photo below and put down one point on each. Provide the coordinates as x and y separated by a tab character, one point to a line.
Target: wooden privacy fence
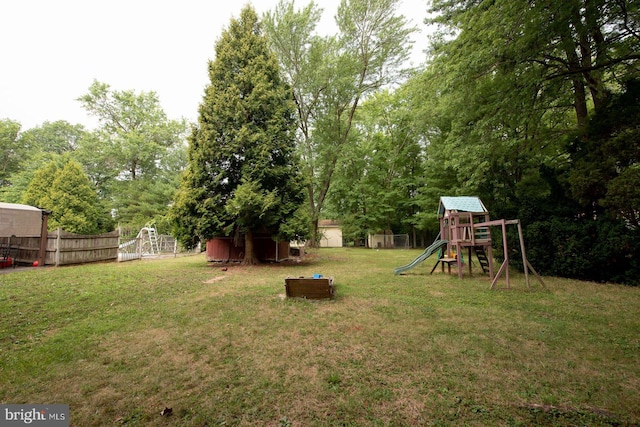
64	248
24	250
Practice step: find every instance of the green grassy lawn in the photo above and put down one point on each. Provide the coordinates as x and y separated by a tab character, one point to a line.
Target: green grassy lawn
120	342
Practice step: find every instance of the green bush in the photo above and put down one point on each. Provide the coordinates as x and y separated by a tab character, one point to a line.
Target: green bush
601	250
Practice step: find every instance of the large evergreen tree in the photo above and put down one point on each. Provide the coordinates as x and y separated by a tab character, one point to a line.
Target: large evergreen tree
242	175
37	193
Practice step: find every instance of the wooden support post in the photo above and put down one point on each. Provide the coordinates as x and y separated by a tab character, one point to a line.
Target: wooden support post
506	251
459	260
533	270
42	256
490	251
526	264
524	254
502	267
58	246
505	263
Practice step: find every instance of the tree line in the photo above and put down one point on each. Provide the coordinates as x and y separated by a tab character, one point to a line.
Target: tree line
125	171
532	106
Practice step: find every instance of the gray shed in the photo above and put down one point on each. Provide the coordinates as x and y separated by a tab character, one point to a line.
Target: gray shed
23	232
20	220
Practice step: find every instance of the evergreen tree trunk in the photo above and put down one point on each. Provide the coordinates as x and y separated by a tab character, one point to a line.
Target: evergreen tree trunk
249	252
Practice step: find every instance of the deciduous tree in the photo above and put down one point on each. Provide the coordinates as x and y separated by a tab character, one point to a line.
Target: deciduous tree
11	151
377	178
134	126
331	76
135	141
50	142
57	137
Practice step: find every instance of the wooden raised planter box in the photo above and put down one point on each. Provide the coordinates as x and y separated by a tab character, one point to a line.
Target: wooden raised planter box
309	287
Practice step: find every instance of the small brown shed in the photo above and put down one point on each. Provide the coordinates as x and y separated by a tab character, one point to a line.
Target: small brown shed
226	249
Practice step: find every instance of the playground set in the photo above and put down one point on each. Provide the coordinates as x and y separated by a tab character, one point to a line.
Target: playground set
465	224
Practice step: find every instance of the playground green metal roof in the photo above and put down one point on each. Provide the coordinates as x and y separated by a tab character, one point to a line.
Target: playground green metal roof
461	204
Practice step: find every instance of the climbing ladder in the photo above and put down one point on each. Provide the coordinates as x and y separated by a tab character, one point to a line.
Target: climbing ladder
482	258
149	240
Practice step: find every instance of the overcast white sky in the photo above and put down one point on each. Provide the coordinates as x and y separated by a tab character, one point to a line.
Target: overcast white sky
52	50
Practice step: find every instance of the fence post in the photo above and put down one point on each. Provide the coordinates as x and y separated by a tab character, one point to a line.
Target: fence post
42	256
58	243
175	247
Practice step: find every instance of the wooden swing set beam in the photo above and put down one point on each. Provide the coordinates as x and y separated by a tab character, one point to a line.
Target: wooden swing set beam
505	263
